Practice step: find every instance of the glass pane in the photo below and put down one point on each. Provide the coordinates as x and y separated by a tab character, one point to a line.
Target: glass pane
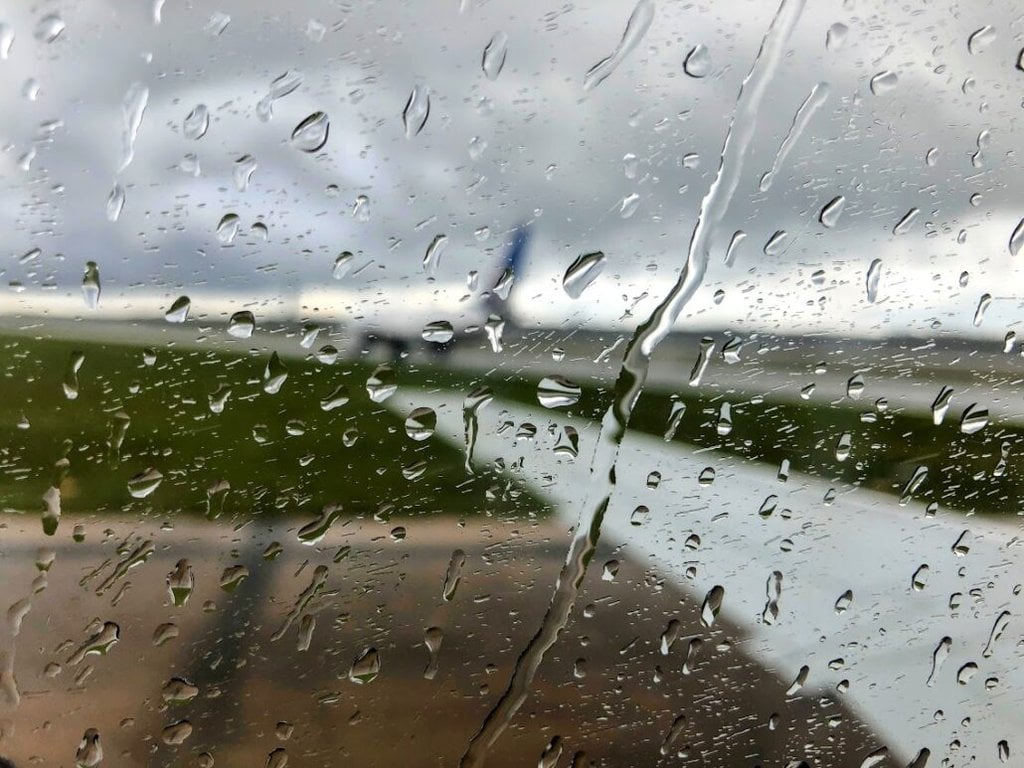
500	383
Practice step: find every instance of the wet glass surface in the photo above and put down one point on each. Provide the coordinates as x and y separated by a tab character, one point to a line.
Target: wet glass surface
582	384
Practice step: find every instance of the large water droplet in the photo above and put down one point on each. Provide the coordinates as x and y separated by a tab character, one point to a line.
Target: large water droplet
432	639
6	41
883	82
712	605
115	202
144	483
494	55
227	228
90	752
314	531
75	361
420	423
196	122
416	111
242	172
133	107
49	28
381	384
1001	623
178	311
830	214
558	392
582	272
698	61
91	285
1017	238
939	656
871	280
453	575
241	324
366	667
311	134
432	257
438	332
980	39
636	27
973	419
342	264
274	375
835	37
280	87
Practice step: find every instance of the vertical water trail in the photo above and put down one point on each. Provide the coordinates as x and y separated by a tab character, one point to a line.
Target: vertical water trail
811	104
633	376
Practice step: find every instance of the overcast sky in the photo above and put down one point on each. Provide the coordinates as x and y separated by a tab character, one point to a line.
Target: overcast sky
554	155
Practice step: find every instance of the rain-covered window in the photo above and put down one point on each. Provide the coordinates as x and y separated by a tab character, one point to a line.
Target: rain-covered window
440	383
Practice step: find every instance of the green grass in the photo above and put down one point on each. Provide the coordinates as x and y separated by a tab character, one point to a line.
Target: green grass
884	453
173	430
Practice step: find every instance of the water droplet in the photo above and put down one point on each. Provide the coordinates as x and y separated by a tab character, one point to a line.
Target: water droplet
91	285
274	375
494	55
724	424
49	28
176	733
700	365
776	243
730	253
773	590
278	757
115	202
973	419
830	214
552	753
227	228
416	111
883	82
610	570
1003	747
366	667
75	361
980	39
843	446
903	225
1017	239
104	637
844	601
178	311
432	257
420	423
217	23
242	171
582	272
636	27
196	122
493	329
799	681
871	280
697	62
966	672
311	134
939	656
979	312
381	384
558	392
835	37
438	332
911	486
874	758
920	578
629	205
336	399
712	605
314	531
453	575
241	324
144	483
639	515
133	107
361	208
962	546
280	87
89	753
433	637
1001	623
177	690
6	41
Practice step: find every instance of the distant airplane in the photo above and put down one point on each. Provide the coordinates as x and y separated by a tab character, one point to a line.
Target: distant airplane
423	324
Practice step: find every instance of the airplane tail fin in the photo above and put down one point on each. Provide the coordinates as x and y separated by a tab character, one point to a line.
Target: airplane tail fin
511	270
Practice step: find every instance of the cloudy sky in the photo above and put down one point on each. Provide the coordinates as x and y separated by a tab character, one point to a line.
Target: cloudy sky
529	145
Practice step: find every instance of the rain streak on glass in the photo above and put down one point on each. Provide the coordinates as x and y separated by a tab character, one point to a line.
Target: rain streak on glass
636	27
416	111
